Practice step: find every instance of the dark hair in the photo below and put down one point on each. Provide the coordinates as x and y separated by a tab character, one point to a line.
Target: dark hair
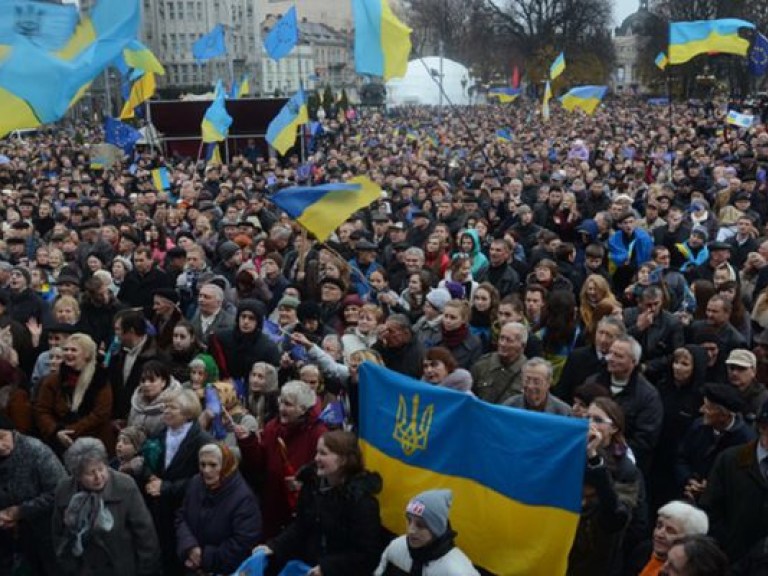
154	368
616	414
595	251
441	354
738	312
702	290
132	321
704	557
590	391
345	445
560	325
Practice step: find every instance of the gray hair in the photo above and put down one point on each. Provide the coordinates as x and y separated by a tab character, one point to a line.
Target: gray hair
187	399
84	451
615	323
333	338
270	376
651	292
634	346
693	520
520	328
414	251
537	361
213	450
299	392
401	320
218	293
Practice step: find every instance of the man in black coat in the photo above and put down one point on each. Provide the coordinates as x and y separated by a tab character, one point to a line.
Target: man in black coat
500	272
141	283
399	349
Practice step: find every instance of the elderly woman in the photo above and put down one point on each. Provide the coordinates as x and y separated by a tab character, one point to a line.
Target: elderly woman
675	520
286	444
173	465
100	522
337	525
441	369
263	393
77	400
219	522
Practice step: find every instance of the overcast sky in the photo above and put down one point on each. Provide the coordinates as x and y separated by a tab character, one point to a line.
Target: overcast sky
622	9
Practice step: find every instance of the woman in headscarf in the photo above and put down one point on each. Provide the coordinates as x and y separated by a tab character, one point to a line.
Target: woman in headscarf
263	393
337	526
275	456
100	522
76	401
219	522
237	349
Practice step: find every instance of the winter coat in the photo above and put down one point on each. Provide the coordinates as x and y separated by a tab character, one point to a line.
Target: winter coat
396	561
28	304
137	290
504	278
736	500
99	321
468	352
149	414
53	410
407	359
224	523
659	340
123	388
130	548
264	459
236	353
28	479
496	382
337	528
582	363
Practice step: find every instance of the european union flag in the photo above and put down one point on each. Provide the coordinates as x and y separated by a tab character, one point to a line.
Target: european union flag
283	36
120	134
492	462
210	45
758	56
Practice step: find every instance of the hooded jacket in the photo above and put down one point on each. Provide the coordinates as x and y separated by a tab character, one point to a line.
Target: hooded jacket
479	261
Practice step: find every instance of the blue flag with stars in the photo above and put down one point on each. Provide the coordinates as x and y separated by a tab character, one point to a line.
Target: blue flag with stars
120	134
210	45
758	56
283	36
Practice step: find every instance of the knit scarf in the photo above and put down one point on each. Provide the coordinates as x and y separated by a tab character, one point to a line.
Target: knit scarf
85	513
436	549
452	338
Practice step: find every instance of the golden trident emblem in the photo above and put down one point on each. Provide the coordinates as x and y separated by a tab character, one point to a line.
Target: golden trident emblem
412	434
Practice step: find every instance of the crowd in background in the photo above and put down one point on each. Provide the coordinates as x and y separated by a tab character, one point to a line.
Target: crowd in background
179	368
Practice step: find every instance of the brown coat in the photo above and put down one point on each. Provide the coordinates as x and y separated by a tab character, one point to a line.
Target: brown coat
92	418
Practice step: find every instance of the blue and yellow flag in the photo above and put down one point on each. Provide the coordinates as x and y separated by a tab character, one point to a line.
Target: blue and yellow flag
322	209
139	57
161	178
661	61
38	86
557	67
504	135
141	90
216	122
283	36
504	94
735	118
587	98
47	25
689	39
281	132
210	45
382	42
545	102
516	476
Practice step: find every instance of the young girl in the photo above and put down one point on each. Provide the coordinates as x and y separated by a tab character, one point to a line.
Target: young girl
381	292
413	297
128	458
485	304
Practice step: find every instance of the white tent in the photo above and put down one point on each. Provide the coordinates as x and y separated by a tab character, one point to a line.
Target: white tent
420	85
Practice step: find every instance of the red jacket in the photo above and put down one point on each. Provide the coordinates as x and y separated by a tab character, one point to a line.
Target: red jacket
263	459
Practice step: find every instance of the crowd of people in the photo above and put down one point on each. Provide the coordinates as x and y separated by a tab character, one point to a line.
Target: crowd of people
180	367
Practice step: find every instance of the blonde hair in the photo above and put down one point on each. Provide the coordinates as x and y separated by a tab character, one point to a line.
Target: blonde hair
67	300
462	306
86	344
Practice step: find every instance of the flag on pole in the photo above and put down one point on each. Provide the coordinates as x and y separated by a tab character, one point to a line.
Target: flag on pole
210	45
505	95
689	39
121	135
382	42
661	61
139	57
545	103
758	56
322	209
283	36
587	98
281	132
557	67
216	122
142	90
501	487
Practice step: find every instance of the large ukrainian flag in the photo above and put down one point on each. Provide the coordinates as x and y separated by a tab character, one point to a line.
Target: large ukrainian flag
516	476
382	42
587	98
37	86
689	39
322	209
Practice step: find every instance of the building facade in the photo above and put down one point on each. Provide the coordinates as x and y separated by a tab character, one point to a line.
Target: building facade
628	42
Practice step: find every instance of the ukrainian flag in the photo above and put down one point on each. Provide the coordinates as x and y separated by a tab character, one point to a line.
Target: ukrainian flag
281	132
689	39
505	95
557	67
516	476
138	56
38	86
587	98
741	120
545	102
322	209
245	87
141	90
161	178
382	42
216	122
504	135
661	61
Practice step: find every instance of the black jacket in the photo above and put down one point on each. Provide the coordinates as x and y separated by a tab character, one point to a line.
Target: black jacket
138	291
580	365
407	359
337	528
659	340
